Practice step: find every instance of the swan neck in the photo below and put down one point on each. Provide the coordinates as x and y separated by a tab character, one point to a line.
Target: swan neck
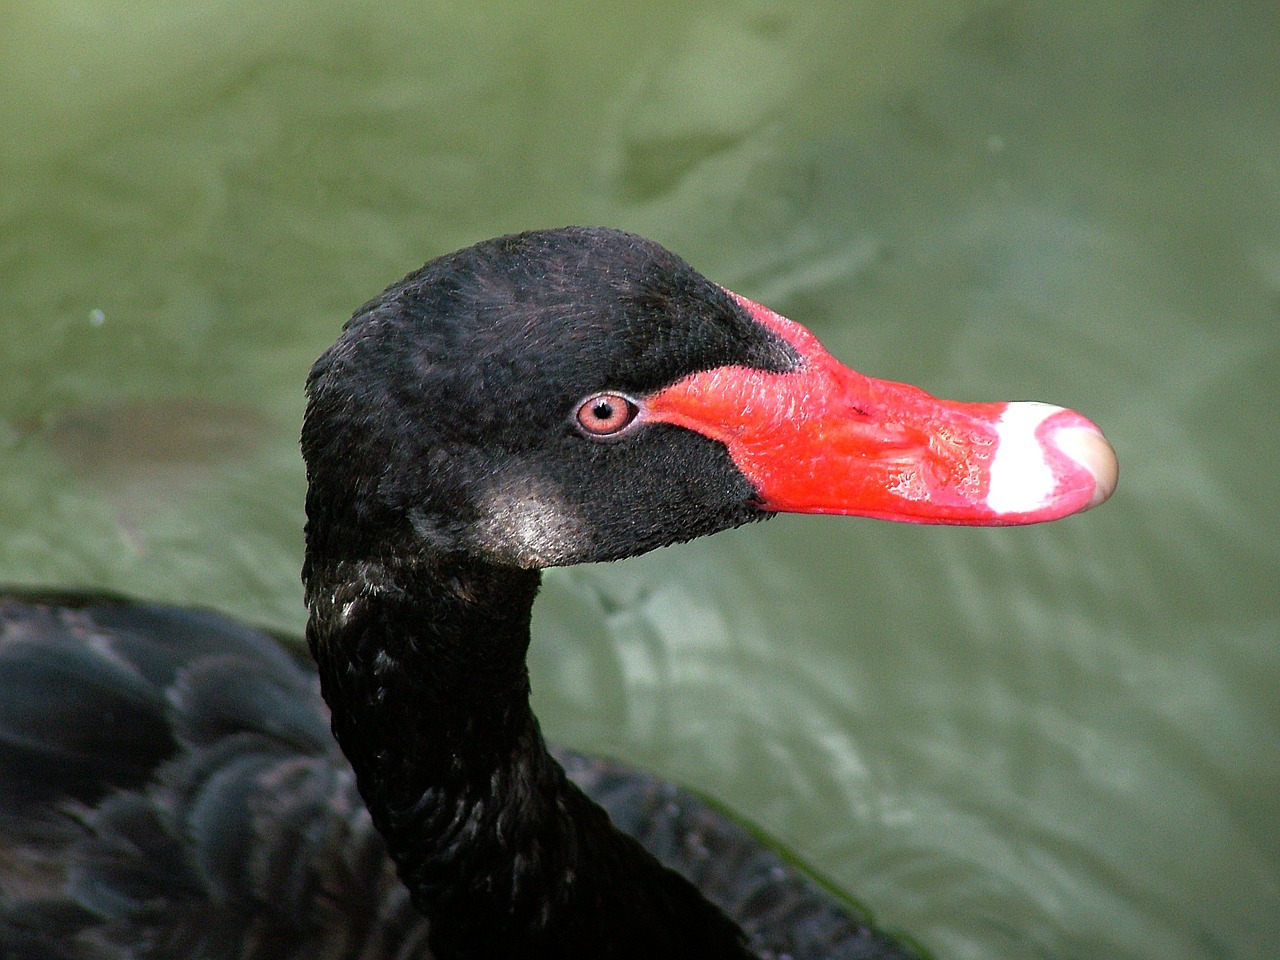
424	671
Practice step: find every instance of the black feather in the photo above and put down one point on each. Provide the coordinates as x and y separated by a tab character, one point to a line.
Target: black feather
168	785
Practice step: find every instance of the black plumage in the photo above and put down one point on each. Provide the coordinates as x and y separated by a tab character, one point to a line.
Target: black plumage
168	784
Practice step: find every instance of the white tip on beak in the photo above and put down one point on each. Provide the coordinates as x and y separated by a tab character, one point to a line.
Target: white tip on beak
1089	448
1049	455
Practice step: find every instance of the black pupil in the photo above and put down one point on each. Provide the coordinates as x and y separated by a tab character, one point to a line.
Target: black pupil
603	410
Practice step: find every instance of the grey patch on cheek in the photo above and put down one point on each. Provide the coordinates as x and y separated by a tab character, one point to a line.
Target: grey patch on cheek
530	524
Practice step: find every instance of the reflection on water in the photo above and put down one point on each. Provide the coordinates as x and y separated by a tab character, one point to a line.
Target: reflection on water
134	451
1056	742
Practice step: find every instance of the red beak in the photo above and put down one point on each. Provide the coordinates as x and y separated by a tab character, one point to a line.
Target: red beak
825	439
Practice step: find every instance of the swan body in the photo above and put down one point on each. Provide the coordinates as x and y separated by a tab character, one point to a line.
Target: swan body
169	784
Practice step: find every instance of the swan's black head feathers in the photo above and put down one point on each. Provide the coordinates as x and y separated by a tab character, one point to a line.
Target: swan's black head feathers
442	421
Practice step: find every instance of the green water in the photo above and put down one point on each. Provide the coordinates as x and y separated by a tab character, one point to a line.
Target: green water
1059	742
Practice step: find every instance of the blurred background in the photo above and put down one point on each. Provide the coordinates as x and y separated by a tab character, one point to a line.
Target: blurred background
1057	742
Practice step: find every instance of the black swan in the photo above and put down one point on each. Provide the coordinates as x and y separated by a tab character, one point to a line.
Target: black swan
169	787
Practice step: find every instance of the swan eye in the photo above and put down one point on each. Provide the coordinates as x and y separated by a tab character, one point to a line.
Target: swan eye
606	414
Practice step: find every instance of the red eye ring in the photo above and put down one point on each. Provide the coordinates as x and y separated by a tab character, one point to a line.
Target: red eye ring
606	414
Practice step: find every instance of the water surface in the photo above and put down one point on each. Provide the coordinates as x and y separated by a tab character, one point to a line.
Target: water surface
1059	742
